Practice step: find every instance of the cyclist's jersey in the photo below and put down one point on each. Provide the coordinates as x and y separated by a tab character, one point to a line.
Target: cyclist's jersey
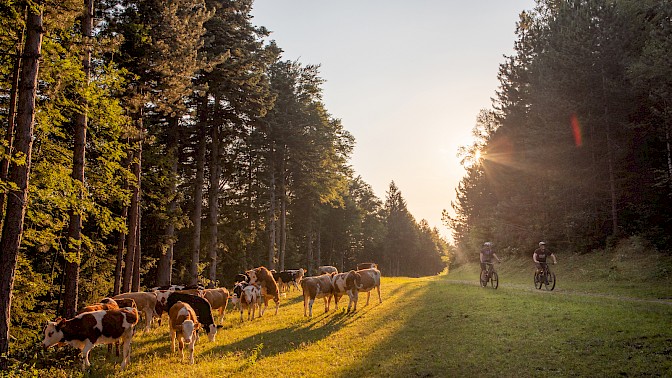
487	254
541	255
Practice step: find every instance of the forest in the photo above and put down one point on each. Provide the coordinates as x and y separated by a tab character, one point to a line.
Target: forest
576	150
148	143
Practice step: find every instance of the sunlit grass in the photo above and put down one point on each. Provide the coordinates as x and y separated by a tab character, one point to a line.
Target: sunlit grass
444	326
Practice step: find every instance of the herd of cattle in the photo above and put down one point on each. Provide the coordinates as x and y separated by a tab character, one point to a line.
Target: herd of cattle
189	309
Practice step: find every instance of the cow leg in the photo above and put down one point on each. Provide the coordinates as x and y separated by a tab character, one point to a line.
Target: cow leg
240	306
263	298
380	300
173	335
181	345
149	317
277	304
126	356
351	301
310	306
191	348
85	354
368	296
305	305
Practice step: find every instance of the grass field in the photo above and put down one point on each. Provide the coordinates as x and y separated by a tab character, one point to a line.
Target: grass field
602	320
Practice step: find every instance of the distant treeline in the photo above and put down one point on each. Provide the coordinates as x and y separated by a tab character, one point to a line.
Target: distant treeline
577	148
149	142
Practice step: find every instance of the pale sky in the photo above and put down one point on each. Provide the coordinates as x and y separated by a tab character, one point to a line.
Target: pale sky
406	78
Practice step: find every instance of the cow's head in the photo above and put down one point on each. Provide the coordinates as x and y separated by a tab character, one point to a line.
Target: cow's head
252	274
188	330
212	331
353	280
53	333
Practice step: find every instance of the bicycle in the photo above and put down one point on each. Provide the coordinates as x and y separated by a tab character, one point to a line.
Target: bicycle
544	278
489	275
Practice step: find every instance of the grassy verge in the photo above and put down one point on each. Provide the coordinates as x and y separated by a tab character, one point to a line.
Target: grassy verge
444	326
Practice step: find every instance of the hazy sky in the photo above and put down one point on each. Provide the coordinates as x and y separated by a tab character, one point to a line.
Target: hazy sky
407	79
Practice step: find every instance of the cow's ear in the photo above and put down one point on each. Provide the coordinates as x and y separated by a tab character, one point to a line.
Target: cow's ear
60	322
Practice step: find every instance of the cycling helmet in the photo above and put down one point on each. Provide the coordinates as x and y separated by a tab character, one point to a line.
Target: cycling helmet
487	244
542	243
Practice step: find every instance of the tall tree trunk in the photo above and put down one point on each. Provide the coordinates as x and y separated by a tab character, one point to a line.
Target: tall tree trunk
283	209
12	229
121	243
271	220
132	222
165	266
74	245
138	251
198	189
610	161
309	252
668	146
318	246
11	116
213	203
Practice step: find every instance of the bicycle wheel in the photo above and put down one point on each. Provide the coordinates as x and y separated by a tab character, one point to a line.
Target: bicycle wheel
550	280
494	280
484	278
538	282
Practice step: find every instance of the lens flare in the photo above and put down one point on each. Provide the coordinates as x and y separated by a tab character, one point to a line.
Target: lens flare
576	130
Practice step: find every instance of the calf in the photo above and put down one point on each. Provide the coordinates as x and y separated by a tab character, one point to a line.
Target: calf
201	308
365	281
344	283
146	303
249	296
316	287
183	327
89	329
326	269
218	299
269	288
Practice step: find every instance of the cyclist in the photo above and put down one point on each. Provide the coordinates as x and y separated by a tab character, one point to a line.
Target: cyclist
539	256
487	254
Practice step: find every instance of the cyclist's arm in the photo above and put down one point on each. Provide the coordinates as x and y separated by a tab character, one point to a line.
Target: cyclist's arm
481	256
555	261
495	255
534	258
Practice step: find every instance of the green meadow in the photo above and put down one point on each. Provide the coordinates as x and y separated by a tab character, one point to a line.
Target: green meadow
605	318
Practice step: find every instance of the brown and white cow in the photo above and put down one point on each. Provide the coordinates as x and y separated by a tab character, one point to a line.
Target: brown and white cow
365	281
89	329
326	269
124	302
218	299
344	283
316	287
361	266
248	296
146	303
184	327
105	304
269	288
